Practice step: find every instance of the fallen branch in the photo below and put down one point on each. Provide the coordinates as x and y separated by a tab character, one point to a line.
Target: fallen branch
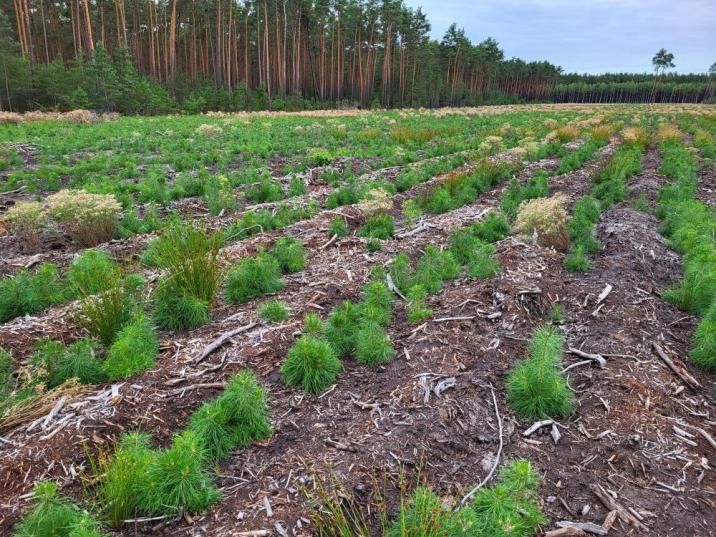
680	371
589	356
611	504
497	457
604	294
447	319
218	342
330	241
583	526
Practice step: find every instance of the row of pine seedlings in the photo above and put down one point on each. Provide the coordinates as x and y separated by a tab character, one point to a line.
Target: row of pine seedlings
139	480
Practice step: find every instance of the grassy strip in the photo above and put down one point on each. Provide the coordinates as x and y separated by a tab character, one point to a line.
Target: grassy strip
690	226
610	187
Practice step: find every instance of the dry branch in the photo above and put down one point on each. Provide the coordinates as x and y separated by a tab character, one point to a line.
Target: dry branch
218	342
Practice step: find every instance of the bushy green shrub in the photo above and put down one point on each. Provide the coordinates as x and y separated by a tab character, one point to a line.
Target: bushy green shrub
134	350
380	226
55	516
176	478
290	254
311	365
27	293
234	419
251	278
536	388
273	311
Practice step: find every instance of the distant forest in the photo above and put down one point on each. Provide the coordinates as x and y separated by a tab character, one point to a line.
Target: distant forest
159	56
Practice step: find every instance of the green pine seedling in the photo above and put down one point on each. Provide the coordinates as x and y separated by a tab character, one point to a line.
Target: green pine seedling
703	351
273	311
536	388
135	350
341	327
417	308
124	477
311	365
576	260
378	227
338	227
92	273
245	402
251	278
176	312
373	345
313	325
377	303
177	479
290	254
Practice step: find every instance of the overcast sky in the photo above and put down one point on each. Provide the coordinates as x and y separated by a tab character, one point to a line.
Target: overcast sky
587	36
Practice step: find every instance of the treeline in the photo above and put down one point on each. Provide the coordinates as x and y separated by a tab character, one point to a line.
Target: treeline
161	55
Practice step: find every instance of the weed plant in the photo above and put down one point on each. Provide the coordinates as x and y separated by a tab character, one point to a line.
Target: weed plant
92	272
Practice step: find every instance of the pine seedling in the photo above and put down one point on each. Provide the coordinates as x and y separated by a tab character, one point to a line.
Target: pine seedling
434	267
311	365
290	254
576	260
92	273
373	245
273	311
177	479
244	400
313	325
135	350
338	227
536	388
27	293
252	278
7	384
211	424
411	212
401	272
378	227
341	327
493	228
417	308
373	345
56	364
703	351
54	516
124	477
481	264
377	303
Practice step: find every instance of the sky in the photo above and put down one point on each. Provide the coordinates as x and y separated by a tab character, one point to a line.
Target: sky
587	36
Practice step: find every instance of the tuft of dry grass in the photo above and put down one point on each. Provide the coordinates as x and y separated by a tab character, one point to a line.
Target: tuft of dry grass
377	202
567	133
602	133
636	136
668	133
544	221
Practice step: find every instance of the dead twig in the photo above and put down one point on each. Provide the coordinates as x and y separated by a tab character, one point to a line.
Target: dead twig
680	371
218	342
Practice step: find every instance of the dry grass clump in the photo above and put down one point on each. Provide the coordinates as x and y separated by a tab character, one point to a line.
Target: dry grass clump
209	130
377	202
10	118
567	133
81	116
88	218
636	136
668	133
602	133
490	145
544	221
551	123
27	220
